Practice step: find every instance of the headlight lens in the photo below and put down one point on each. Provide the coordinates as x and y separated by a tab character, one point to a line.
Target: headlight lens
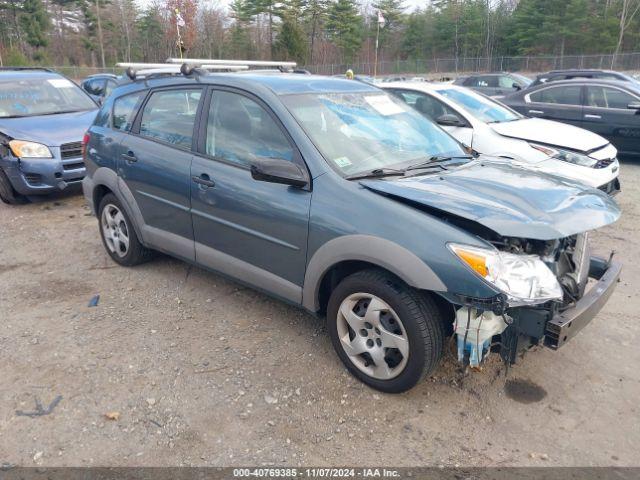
24	149
566	155
524	278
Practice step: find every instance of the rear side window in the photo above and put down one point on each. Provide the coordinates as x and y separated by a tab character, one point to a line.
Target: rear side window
606	97
483	81
169	116
239	129
124	110
566	95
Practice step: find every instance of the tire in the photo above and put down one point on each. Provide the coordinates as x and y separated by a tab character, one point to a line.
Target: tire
8	194
389	363
118	235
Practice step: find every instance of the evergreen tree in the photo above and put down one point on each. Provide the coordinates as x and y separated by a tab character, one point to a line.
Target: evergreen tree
35	23
290	44
344	27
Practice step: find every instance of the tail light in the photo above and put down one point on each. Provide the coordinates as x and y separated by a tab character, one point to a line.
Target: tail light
85	142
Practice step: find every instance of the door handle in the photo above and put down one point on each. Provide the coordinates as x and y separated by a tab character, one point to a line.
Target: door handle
594	117
203	180
536	112
129	157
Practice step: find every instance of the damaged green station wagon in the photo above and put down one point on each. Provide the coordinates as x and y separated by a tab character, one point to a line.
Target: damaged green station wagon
336	197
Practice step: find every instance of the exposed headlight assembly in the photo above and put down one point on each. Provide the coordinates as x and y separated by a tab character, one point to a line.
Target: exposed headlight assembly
24	149
566	155
525	279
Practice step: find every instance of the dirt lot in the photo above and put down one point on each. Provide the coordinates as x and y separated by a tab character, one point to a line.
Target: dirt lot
203	371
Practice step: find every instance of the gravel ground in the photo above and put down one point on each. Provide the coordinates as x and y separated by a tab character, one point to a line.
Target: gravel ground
197	370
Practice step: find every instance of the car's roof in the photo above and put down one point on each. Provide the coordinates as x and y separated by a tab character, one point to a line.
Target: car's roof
25	74
589	81
424	86
101	75
279	83
578	70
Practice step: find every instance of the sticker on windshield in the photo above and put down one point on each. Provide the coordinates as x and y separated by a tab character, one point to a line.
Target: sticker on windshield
60	83
343	162
384	105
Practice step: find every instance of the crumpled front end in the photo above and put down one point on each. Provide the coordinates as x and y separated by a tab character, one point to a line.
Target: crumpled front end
509	325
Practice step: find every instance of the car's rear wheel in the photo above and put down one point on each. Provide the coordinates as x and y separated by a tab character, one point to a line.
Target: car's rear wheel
387	334
118	235
8	194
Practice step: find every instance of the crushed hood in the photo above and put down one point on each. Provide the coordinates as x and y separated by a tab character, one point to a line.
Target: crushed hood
549	132
51	130
511	201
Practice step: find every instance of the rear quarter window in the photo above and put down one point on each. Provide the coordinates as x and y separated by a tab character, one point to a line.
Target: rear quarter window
124	110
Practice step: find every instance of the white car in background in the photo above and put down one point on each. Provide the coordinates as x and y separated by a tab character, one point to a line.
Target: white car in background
491	128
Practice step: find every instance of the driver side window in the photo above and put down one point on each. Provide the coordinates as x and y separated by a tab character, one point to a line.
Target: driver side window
427	105
239	129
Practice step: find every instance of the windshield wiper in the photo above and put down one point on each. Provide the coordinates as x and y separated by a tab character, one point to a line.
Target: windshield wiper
437	159
376	173
61	112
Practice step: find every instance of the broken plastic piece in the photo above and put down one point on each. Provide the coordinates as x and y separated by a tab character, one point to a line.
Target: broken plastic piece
94	301
474	330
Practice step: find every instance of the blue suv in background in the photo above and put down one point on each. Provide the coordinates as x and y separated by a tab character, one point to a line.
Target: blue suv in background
43	117
336	197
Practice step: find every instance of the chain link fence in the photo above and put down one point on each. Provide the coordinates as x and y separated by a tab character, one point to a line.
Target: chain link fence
443	67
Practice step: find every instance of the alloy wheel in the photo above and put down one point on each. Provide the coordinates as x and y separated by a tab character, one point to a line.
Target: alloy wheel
115	230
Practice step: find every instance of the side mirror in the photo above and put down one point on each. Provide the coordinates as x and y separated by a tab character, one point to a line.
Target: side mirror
634	106
516	87
449	120
278	170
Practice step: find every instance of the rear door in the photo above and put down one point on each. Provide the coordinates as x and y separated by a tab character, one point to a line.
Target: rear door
606	113
155	164
254	231
561	102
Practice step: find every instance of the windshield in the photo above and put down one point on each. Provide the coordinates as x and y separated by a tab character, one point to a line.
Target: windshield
41	96
360	132
481	107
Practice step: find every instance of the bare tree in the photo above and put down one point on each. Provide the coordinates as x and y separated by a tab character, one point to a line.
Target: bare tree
629	10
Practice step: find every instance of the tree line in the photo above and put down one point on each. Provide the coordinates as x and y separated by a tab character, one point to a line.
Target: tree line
99	33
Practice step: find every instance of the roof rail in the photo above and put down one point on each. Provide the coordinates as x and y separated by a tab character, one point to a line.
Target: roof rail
248	63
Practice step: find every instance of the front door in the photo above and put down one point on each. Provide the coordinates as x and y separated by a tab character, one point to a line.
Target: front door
252	230
155	163
607	113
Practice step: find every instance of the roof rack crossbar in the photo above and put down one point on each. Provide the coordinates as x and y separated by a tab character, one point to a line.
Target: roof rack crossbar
138	65
249	63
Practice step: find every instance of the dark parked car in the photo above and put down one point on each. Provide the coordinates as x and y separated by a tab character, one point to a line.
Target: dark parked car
494	84
556	75
100	85
43	117
341	199
607	107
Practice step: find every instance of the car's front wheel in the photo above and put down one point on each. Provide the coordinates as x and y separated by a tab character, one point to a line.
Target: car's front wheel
386	333
7	193
118	235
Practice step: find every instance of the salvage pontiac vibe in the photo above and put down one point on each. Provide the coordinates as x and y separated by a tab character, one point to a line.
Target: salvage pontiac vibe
332	195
